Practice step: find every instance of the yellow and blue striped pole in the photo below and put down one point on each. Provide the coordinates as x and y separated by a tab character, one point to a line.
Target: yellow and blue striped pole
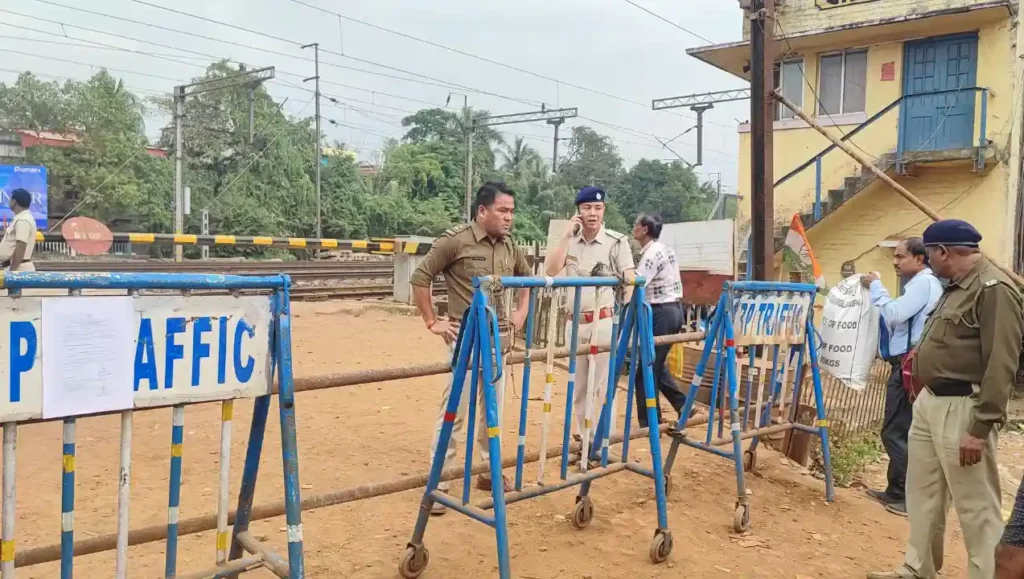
8	514
67	502
174	494
227	409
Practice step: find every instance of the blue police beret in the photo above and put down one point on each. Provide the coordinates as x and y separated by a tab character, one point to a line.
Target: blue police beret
954	232
590	195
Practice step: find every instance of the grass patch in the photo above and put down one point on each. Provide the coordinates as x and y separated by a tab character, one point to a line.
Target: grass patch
851	454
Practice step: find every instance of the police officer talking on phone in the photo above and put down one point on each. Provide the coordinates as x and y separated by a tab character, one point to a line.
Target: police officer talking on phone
586	249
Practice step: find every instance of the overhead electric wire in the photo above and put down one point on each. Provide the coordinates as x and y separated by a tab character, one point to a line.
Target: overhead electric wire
463	53
663	19
444	83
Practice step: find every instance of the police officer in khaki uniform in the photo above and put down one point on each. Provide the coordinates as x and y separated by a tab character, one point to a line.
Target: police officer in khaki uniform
481	248
19	240
966	362
586	249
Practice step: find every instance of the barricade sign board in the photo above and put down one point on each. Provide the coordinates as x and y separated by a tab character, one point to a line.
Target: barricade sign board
72	356
771	321
184	350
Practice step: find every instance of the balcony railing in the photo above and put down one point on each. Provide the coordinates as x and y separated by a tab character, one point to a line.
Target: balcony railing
902	157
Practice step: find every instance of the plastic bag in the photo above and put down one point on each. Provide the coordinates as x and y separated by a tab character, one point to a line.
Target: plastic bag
849	333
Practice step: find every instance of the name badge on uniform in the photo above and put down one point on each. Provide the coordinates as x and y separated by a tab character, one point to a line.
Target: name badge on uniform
571	259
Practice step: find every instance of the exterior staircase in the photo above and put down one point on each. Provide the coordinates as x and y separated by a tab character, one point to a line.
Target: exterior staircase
830	202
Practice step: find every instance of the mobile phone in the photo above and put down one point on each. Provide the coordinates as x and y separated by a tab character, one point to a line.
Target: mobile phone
576	228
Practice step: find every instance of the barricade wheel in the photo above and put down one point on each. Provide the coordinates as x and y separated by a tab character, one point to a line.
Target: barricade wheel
582	513
749	461
661	546
741	519
414	562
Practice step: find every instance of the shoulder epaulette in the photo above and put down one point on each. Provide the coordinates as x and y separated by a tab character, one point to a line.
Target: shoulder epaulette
615	234
455	230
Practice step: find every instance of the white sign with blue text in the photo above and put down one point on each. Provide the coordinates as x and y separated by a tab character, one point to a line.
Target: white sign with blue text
770	318
185	349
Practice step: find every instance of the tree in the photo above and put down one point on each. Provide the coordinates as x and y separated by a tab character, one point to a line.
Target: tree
590	159
672	189
517	157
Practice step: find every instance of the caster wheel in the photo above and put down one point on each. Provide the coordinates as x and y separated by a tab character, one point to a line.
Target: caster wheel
414	562
741	519
749	461
582	513
661	546
668	485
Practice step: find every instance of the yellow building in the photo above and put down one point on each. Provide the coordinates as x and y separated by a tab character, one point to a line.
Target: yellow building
924	87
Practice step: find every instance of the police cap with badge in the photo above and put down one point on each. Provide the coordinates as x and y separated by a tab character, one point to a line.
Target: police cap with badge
591	194
951	233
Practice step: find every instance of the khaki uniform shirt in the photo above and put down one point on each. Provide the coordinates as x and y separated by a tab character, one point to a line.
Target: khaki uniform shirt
974	335
609	249
465	252
21	228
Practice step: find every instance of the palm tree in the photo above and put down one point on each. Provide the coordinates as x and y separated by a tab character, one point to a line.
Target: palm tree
518	155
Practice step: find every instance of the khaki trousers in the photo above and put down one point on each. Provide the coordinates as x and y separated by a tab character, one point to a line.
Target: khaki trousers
934	477
601	331
460	417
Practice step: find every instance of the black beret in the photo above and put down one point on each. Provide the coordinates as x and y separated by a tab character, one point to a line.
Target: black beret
590	195
952	232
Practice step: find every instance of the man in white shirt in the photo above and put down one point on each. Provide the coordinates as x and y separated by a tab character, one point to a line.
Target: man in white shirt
664	291
19	239
902	323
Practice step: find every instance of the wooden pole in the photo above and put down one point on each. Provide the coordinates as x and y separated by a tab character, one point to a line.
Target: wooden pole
863	160
762	182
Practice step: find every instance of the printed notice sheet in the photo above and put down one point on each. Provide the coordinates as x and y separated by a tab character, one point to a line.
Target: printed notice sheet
88	346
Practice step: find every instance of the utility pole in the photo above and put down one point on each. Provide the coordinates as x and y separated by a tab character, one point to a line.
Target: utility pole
470	127
762	106
319	139
179	195
181	92
554	154
698	103
553	117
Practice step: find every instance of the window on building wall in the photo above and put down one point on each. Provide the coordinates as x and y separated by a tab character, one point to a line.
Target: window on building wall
842	78
789	78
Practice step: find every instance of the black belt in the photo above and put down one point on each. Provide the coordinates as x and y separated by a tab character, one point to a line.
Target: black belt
7	262
948	388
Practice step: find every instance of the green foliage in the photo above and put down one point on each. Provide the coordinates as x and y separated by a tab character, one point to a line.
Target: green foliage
851	454
267	186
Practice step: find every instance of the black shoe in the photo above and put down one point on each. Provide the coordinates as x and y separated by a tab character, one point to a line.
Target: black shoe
897	508
883	497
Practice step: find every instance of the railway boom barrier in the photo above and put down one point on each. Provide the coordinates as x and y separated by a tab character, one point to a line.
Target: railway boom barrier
212	349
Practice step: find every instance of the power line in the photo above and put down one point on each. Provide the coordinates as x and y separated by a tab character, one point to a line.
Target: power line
444	83
663	19
462	53
121	70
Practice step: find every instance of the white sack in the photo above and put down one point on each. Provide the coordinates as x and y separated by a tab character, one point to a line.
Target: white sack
849	333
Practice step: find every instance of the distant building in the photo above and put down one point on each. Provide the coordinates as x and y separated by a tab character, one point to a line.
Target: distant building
63	194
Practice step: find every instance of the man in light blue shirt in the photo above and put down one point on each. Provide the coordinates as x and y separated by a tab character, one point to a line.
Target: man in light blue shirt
900	328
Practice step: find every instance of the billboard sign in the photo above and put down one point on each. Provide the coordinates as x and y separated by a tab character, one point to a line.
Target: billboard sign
31	178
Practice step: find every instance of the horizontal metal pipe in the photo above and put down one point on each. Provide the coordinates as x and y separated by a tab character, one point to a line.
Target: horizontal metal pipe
752	433
572	480
228	569
581	281
359	377
276	563
180	281
641	470
805	428
205	523
471	511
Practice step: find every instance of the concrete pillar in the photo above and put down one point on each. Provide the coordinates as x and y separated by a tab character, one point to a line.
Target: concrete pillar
405	262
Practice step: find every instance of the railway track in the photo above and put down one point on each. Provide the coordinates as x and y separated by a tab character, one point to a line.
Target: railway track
298	270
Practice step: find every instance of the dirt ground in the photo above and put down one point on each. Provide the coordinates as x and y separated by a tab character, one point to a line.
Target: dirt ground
378	432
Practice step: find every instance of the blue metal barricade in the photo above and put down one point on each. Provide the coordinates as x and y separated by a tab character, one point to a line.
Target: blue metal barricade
774	322
478	357
87	355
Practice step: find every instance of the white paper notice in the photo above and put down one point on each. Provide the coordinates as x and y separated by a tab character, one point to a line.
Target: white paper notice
88	348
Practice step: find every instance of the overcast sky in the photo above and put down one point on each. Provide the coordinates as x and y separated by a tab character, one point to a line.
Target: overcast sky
608	46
